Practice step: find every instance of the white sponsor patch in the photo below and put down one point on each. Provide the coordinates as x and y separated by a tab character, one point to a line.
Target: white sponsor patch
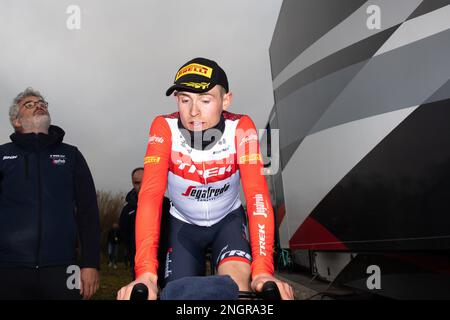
252	137
58	162
155	139
261	209
235	253
57	156
262	239
9	157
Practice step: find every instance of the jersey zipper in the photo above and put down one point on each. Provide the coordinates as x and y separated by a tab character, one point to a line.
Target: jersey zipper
206	202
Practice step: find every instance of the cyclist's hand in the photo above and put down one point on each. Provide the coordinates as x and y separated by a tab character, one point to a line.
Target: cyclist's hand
285	289
148	279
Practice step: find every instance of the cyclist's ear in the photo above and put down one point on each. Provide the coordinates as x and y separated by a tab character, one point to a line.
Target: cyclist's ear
227	100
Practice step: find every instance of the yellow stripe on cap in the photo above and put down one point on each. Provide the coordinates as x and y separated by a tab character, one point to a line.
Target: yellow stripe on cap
201	85
195	68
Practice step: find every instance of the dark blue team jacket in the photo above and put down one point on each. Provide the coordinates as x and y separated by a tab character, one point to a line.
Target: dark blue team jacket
47	202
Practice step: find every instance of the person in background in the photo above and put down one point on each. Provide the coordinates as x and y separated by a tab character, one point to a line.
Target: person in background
128	221
128	217
113	245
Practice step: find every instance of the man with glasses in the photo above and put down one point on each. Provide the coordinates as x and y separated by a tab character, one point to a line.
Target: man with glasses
47	202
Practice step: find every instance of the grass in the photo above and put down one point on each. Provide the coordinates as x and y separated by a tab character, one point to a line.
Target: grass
111	280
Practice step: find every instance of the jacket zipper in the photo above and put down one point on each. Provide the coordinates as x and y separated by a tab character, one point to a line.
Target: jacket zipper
38	249
27	169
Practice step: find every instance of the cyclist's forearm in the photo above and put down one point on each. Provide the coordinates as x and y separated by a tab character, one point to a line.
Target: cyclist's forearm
147	277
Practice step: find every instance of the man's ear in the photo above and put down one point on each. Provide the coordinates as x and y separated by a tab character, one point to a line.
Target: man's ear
16	124
227	100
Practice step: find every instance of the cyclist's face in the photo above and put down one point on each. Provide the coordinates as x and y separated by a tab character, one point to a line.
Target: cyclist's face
201	111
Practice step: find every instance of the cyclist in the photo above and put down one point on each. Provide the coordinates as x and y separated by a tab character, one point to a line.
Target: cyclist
202	152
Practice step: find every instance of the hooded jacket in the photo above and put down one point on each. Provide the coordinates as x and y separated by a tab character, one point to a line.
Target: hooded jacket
47	202
127	220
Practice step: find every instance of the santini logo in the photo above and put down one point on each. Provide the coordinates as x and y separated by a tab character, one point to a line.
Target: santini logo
58	159
205	194
9	157
58	162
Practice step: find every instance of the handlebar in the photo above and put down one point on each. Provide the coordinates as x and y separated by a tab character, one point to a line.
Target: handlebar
139	292
269	292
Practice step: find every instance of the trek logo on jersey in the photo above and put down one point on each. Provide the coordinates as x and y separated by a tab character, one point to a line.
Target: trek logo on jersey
262	239
250	158
155	139
202	194
260	208
195	68
236	253
151	160
58	159
252	137
9	157
208	173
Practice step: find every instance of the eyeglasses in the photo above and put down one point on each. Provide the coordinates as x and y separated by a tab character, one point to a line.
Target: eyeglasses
33	104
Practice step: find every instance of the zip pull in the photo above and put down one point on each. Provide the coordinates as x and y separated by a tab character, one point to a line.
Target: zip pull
27	167
206	202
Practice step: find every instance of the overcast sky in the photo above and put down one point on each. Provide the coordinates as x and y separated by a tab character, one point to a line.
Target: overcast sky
106	81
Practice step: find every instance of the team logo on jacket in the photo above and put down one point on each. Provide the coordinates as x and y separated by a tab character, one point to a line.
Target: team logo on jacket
205	194
58	159
9	157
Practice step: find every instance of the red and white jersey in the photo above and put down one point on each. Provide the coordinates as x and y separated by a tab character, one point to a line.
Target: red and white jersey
203	186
